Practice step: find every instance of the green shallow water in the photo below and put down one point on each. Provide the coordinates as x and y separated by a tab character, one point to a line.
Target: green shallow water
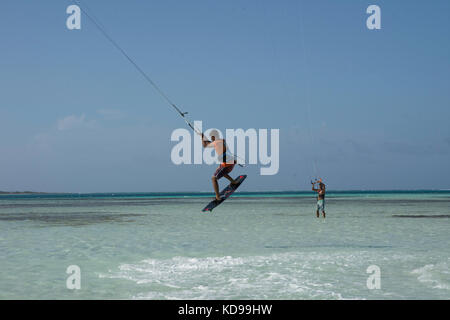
254	246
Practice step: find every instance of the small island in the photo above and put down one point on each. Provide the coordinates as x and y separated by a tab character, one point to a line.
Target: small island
21	192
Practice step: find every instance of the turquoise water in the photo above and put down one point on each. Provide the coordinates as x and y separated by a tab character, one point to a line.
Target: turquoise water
254	246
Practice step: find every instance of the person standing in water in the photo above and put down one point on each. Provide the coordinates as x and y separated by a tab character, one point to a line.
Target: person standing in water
320	196
226	165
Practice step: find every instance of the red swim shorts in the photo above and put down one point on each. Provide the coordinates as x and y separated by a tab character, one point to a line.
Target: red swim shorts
223	169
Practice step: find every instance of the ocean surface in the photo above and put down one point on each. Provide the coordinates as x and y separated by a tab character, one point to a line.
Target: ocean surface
253	246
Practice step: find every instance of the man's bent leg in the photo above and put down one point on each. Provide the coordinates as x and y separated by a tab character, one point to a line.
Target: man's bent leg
230	179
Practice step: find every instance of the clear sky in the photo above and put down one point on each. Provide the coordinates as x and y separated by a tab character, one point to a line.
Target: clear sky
75	116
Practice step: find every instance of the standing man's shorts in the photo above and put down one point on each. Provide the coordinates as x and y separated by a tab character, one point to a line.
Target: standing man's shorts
321	205
223	169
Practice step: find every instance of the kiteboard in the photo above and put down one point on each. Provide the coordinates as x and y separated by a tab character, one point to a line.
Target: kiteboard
225	193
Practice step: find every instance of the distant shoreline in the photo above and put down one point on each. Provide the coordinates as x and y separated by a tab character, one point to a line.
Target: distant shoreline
209	192
22	192
194	194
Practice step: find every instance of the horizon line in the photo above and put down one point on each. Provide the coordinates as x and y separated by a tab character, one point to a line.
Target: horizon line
210	192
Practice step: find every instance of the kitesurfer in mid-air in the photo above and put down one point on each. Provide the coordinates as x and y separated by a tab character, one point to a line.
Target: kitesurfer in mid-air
320	196
226	165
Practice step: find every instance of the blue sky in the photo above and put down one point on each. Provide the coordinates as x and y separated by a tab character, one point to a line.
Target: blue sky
75	116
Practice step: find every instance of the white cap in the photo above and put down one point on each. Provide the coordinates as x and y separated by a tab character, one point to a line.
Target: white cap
214	133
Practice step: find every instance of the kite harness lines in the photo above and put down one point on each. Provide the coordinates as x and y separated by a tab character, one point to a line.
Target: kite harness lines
145	75
316	178
142	72
139	69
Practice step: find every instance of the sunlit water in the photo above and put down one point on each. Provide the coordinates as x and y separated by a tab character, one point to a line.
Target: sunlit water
253	247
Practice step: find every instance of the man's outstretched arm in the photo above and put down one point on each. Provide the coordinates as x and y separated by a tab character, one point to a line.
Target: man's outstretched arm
206	142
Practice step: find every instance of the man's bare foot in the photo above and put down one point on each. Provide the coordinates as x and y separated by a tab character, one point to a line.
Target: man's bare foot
218	198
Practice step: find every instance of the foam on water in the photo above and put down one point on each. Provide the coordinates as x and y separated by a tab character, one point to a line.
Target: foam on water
291	275
436	276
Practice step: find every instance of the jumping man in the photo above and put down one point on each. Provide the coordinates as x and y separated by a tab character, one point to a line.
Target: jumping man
320	196
225	166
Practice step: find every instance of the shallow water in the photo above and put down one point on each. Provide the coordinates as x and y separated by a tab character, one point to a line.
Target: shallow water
254	246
